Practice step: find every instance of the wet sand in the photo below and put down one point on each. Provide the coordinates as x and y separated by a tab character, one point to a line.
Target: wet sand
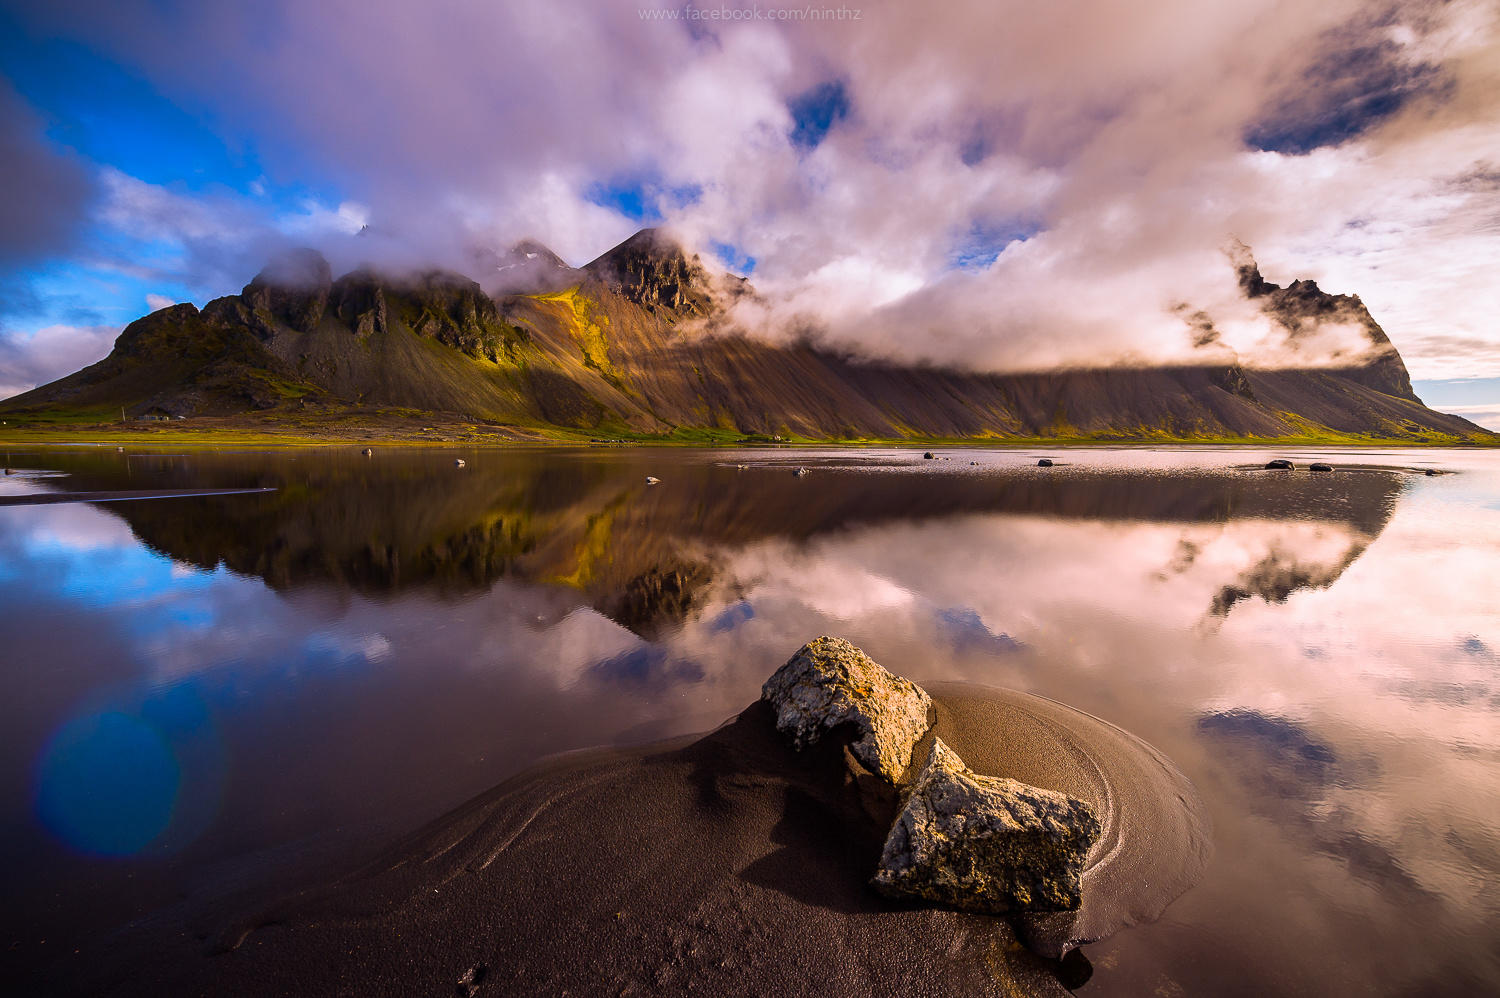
718	864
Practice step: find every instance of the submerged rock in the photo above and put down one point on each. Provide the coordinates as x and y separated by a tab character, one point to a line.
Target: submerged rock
982	843
829	683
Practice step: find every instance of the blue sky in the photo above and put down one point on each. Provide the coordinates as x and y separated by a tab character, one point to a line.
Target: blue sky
992	186
102	119
109	114
1475	399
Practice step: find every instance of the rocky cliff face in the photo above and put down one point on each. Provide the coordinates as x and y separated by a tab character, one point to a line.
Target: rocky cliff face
651	270
297	293
291	291
455	311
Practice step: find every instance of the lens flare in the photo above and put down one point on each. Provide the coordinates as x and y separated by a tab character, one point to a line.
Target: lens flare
107	784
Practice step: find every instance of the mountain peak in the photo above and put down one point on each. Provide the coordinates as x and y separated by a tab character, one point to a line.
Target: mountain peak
530	249
653	238
655	246
301	269
526	268
652	269
1248	271
292	288
1302	309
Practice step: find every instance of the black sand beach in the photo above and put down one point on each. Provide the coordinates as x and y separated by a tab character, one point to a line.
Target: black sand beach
721	864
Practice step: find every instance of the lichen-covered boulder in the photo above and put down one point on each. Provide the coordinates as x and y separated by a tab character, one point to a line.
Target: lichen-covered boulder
982	843
830	683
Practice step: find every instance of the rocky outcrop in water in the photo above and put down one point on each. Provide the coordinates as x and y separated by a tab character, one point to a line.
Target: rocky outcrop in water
829	684
961	839
983	843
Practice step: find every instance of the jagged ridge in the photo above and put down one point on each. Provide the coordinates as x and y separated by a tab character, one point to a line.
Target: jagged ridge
1302	306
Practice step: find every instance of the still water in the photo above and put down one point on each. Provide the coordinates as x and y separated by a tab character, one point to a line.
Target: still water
203	693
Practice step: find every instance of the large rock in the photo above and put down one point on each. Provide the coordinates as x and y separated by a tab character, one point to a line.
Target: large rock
986	844
829	684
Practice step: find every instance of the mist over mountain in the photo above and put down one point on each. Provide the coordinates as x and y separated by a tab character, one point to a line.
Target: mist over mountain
525	268
647	338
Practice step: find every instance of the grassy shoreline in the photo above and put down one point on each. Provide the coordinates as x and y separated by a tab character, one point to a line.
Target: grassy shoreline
236	431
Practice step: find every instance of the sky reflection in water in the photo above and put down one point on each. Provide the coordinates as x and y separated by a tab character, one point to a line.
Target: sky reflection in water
195	680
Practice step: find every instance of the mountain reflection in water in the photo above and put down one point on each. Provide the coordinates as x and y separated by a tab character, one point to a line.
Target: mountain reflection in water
644	555
332	663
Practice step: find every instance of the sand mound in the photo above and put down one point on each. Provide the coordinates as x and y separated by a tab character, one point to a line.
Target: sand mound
724	864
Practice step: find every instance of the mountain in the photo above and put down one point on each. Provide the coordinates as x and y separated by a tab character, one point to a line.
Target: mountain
526	268
637	341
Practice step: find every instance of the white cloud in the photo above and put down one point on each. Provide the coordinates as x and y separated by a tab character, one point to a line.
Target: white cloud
28	360
315	220
1486	414
1114	134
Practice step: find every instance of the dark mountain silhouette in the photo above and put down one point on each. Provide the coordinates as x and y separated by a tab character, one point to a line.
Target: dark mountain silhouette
638	341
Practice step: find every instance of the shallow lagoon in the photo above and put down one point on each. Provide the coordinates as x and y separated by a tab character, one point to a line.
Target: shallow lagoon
265	684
